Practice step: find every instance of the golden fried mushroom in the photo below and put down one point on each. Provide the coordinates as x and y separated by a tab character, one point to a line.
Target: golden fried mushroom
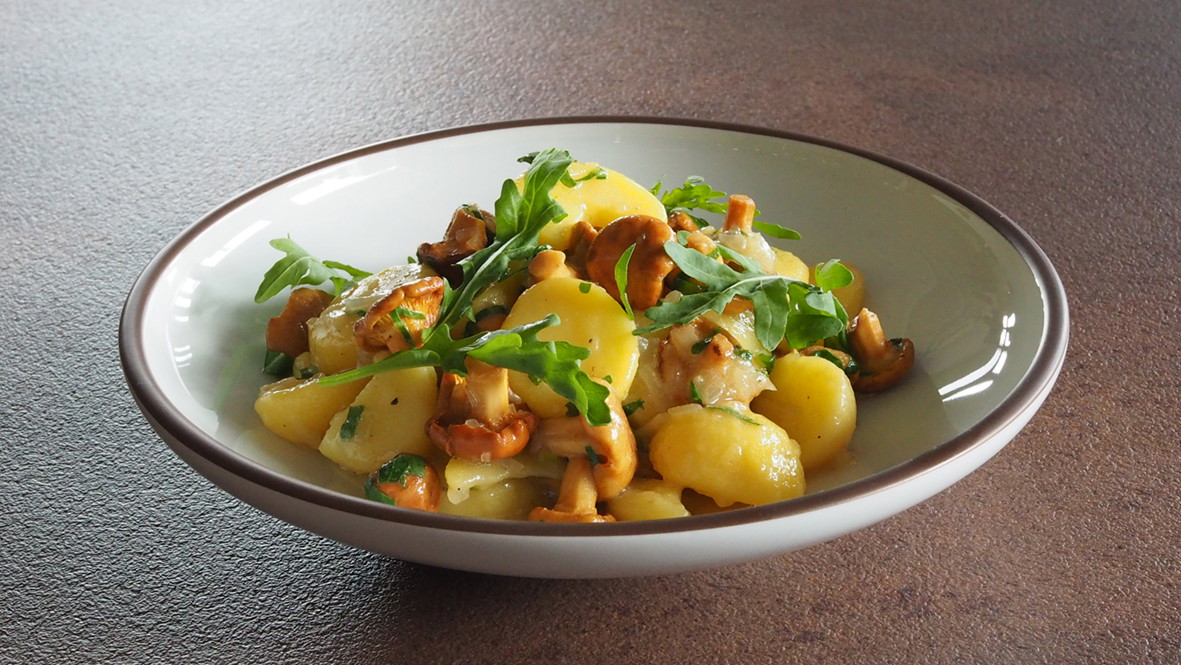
395	323
288	332
884	362
649	263
576	497
474	418
611	448
467	234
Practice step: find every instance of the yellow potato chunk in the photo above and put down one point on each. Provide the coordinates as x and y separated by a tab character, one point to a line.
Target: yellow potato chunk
590	318
648	499
814	401
790	265
597	201
300	411
389	418
729	454
510	499
330	335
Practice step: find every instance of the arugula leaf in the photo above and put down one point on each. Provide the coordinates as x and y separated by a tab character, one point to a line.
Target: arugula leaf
695	194
298	267
832	274
784	308
775	230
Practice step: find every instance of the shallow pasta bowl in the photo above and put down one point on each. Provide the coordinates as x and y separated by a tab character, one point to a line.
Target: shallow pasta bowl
982	303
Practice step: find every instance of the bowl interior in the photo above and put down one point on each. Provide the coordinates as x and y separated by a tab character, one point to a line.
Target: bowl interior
936	271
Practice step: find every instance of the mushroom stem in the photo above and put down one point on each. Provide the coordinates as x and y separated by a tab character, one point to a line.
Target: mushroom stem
883	361
577	493
487	389
740	214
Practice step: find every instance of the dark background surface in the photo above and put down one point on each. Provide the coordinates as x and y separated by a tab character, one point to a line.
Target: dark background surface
121	123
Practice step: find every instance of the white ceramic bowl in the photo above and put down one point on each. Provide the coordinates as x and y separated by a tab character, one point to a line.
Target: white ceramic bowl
982	303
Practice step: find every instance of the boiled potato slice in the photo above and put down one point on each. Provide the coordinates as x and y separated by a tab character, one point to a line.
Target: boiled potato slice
463	476
814	401
597	201
729	454
390	416
510	499
300	411
330	335
648	499
590	318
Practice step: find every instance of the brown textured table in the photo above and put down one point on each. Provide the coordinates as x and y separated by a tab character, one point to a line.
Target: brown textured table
123	122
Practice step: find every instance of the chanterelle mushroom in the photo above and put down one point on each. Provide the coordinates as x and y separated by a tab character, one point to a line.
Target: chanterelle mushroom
288	332
474	417
576	497
467	234
611	448
649	262
396	322
883	361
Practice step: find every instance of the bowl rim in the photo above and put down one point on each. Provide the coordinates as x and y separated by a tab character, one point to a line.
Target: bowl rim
163	415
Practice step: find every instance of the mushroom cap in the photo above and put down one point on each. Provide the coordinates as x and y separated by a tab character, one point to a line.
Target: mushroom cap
288	332
380	329
649	263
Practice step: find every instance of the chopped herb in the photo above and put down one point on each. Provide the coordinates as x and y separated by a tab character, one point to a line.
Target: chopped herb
348	429
397	471
632	407
697	348
308	372
277	364
621	279
694	396
584	287
593	457
736	413
847	363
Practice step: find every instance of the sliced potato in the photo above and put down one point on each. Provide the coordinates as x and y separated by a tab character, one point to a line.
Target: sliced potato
590	318
389	418
300	411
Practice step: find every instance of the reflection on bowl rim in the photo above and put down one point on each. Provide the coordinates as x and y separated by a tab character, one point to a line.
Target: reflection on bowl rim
1039	379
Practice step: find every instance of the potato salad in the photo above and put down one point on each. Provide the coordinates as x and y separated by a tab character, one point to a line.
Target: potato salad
587	350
